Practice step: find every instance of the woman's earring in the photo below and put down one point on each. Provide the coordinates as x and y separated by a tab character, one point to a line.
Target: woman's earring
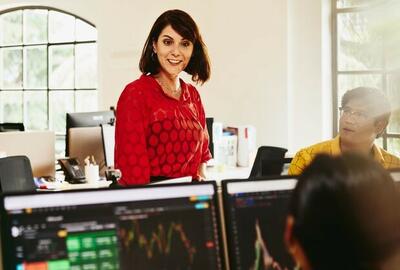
153	55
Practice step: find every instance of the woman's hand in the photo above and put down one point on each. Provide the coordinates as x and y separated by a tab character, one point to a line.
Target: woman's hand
202	172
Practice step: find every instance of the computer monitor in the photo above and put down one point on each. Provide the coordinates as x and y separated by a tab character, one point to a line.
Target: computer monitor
209	123
255	214
108	137
151	227
8	127
38	146
87	142
86	119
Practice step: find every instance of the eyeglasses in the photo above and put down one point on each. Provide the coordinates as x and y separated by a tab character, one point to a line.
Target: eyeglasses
357	115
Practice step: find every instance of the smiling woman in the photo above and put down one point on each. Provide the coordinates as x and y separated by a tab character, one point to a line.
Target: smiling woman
161	130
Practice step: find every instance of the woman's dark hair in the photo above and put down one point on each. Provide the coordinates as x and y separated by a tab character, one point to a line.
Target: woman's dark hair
182	23
346	213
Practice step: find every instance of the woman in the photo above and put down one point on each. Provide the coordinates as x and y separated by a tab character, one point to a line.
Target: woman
344	214
160	129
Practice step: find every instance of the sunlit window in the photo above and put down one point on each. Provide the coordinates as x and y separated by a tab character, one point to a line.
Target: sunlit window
48	67
366	35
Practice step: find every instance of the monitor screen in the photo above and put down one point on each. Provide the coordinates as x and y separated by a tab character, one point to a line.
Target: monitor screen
87	142
108	136
255	215
86	119
152	227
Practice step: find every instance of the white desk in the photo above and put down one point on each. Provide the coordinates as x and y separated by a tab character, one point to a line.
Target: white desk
221	173
67	186
98	184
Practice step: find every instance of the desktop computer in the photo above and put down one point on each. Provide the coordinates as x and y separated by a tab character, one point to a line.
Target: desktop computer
86	119
255	214
151	227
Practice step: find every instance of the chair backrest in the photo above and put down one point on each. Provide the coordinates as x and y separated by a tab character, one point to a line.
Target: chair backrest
16	174
6	127
269	161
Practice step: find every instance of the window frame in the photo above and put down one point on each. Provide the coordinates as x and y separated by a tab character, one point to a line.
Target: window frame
384	72
48	89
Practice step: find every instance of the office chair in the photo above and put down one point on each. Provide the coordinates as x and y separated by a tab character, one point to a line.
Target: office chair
7	127
269	161
16	174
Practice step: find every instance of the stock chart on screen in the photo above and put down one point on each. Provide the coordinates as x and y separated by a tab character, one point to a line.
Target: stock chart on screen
158	227
255	218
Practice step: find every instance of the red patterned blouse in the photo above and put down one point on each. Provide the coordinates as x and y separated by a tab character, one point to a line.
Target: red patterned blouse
158	136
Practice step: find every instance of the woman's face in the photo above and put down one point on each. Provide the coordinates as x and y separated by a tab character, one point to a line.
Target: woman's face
173	52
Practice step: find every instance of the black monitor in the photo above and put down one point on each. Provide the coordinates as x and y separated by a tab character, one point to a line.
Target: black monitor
255	214
149	227
8	127
86	119
209	122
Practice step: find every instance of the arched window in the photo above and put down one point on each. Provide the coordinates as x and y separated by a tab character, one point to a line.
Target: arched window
48	66
366	34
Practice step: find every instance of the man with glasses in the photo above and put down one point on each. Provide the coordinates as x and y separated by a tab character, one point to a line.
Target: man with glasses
364	116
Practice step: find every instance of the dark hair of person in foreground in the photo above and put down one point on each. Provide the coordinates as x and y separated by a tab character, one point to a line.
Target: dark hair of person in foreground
344	214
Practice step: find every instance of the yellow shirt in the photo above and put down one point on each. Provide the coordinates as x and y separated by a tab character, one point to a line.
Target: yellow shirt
332	147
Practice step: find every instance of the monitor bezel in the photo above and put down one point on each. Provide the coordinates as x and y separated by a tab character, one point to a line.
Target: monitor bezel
227	215
8	255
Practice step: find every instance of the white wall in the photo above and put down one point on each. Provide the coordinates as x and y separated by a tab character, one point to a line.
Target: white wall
267	64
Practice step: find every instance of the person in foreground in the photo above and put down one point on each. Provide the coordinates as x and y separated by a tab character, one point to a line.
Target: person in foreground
344	214
160	128
364	115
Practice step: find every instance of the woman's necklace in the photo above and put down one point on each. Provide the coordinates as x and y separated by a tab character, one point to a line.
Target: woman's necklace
173	92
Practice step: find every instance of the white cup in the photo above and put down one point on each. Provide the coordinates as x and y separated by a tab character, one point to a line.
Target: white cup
92	173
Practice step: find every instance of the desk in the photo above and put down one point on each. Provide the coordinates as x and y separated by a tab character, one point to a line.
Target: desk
98	184
67	186
219	174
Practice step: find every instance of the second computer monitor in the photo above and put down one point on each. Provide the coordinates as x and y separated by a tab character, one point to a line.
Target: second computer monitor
86	119
255	214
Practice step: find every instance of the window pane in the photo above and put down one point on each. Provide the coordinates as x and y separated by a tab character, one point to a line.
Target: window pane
86	65
379	142
86	101
347	82
60	146
61	27
35	26
360	45
389	25
61	102
35	67
12	68
11	28
393	93
35	110
85	31
61	60
394	146
355	3
11	105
